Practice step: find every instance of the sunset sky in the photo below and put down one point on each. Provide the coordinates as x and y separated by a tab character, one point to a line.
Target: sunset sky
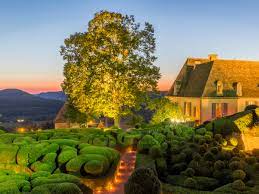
32	31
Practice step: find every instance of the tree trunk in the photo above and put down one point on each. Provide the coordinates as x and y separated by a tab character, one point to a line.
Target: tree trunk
117	121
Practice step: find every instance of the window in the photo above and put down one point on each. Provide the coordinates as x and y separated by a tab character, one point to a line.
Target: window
238	88
251	103
219	88
219	110
187	108
194	111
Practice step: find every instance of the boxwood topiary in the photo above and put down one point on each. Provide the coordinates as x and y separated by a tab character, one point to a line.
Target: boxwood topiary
201	131
66	155
94	167
142	181
8	153
219	165
155	151
208	156
236	165
239	174
238	185
146	142
190	183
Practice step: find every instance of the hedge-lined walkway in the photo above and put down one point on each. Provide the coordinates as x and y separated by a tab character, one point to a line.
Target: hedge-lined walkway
125	168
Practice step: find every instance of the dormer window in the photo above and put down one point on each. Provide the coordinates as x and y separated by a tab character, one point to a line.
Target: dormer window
219	88
238	88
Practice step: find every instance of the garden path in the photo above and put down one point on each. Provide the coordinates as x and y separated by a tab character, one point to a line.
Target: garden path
125	168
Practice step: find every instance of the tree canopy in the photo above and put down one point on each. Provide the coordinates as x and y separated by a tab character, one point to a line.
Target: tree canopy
165	109
109	68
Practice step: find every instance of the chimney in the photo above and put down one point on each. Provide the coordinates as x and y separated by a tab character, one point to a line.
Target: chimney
213	57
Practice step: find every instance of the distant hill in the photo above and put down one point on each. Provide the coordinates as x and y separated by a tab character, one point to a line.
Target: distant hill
16	104
53	95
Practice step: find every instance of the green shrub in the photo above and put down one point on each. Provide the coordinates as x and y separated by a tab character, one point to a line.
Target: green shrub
35	151
178	168
8	153
40	174
161	165
224	142
142	181
238	185
75	164
188	172
55	178
233	141
239	174
67	142
219	165
49	158
243	122
201	131
15	167
155	151
94	167
218	137
236	165
7	138
23	140
178	158
109	153
146	142
51	148
66	155
214	150
196	156
206	183
208	156
159	137
22	157
100	141
39	166
190	183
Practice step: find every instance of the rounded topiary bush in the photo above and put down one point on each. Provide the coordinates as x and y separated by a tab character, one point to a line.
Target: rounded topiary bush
219	165
201	131
155	151
142	181
188	172
94	167
178	168
233	141
190	183
196	156
238	185
146	143
208	156
218	137
236	165
238	174
214	150
224	142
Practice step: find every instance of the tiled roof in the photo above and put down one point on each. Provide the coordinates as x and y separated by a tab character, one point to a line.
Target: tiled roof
198	77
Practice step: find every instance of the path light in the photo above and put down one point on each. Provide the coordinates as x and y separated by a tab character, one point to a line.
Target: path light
21	130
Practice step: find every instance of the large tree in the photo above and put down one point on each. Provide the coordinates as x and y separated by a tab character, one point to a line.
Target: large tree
109	68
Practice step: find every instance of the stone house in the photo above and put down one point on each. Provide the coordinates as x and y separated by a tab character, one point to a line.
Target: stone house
208	88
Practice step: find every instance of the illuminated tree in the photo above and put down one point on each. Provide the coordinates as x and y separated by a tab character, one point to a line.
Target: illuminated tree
164	109
109	68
